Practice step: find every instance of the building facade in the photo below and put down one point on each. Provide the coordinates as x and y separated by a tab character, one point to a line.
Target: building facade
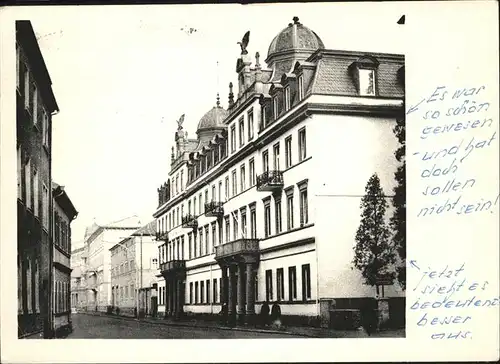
36	105
96	264
78	288
264	205
64	214
132	282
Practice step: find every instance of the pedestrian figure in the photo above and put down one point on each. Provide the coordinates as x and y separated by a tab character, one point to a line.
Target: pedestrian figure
264	314
223	313
276	315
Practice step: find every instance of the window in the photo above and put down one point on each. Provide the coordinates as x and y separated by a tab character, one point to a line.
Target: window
276	156
227	188
214	196
275	107
202	292
306	282
289	209
251	171
250	124
182	180
196	292
27	176
287	98
280	284
195	246
177	184
182	210
277	211
243	213
200	204
220	193
241	130
26	88
18	60
194	206
37	288
206	196
366	82
292	283
301	87
235	186
190	245
34	104
304	216
200	231
191	293
208	290
288	152
242	178
265	161
207	240
189	207
226	222
267	218
19	173
233	138
45	128
269	285
253	222
214	234
235	225
302	144
182	247
215	293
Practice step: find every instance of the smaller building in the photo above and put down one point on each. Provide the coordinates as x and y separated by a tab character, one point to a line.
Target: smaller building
133	284
64	213
78	287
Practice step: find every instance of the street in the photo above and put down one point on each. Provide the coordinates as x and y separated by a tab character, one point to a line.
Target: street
101	327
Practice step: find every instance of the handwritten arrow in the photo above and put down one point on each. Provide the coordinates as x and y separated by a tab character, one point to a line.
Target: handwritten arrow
414	264
414	108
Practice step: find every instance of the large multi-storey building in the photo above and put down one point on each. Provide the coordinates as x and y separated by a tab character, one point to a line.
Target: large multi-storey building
96	267
132	282
64	214
264	204
35	106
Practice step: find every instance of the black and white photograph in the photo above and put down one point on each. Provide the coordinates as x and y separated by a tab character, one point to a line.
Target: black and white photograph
240	171
221	184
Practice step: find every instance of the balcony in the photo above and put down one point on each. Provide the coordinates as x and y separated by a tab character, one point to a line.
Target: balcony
189	222
270	181
214	209
161	236
172	266
237	247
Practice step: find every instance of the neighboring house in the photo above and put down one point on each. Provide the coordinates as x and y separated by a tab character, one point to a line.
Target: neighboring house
78	287
127	291
35	106
96	270
264	204
63	214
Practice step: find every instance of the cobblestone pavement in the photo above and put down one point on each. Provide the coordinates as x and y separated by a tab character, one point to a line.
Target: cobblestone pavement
101	327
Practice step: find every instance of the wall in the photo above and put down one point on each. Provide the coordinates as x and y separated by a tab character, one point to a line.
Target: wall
349	149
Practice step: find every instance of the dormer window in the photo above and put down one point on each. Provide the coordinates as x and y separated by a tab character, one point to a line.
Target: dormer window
287	98
363	72
275	107
300	82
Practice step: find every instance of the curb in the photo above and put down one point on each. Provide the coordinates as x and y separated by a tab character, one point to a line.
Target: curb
161	322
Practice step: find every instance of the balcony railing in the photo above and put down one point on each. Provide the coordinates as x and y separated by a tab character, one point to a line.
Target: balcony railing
270	181
161	236
240	246
214	209
172	265
189	221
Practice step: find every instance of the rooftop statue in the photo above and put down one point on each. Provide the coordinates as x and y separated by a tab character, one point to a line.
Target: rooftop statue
180	121
244	43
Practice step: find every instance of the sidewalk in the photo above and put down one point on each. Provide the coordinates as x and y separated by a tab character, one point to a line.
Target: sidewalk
300	331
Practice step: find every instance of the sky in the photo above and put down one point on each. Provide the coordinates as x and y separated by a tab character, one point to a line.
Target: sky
123	75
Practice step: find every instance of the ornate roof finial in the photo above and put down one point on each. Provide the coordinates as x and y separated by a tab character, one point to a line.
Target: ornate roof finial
231	95
296	20
257	56
218	100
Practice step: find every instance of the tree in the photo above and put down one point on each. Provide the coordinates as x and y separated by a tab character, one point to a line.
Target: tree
373	252
398	219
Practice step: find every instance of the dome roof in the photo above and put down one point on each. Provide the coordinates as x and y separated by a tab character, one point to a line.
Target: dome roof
214	118
295	37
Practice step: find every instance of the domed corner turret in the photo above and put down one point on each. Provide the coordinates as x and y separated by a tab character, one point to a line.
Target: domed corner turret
295	41
212	122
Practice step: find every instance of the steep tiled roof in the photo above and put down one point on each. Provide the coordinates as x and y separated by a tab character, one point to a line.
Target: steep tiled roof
149	229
